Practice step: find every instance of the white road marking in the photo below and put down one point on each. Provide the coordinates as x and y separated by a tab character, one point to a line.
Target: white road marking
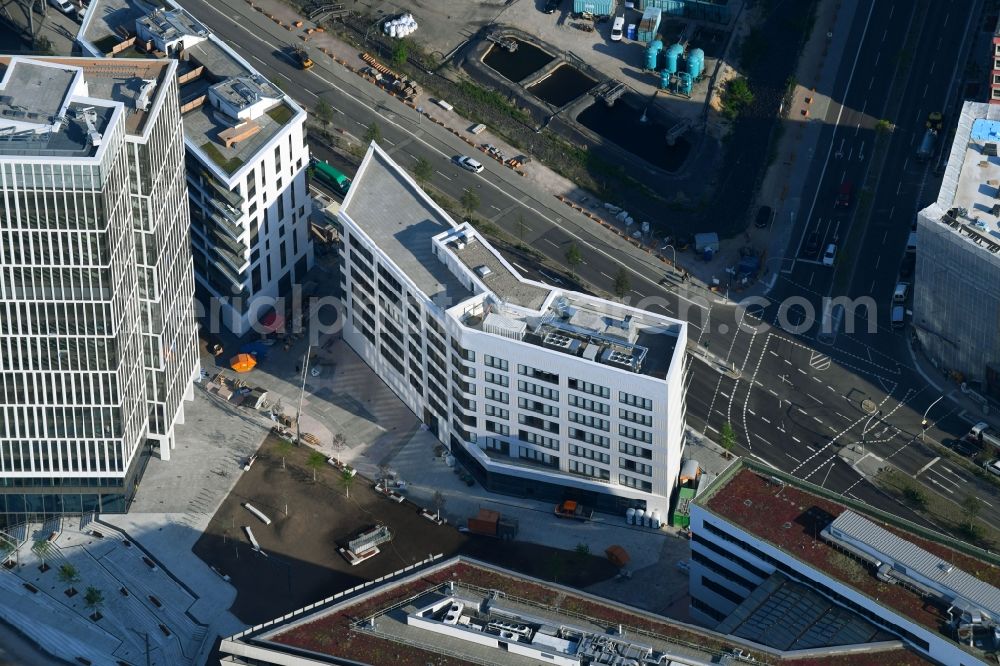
752	413
765	419
817	420
810	448
725	394
443	175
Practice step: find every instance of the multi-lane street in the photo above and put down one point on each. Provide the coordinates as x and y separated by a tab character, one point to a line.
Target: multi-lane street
795	399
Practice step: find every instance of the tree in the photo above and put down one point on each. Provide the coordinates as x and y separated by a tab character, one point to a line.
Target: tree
469	201
69	575
315	461
883	126
42	548
573	256
373	133
339	441
400	52
283	447
347	480
323	112
915	496
727	438
582	551
422	170
972	506
94	599
439	501
736	97
623	284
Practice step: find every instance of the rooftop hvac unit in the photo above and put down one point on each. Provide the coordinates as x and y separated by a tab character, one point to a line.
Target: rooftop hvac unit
613	356
483	271
561	341
504	326
990	149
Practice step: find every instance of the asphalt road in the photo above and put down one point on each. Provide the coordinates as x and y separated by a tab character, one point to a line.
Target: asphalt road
797	401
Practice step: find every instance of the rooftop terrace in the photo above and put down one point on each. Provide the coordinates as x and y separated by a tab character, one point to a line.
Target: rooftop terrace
969	198
373	627
256	109
792	515
45	110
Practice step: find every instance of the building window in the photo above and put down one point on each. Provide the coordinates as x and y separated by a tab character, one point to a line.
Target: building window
538	456
589	437
535	389
721	590
498	396
538	407
535	373
538	439
638	484
635	400
499	412
587	387
633	466
588	404
635	433
636	417
281	255
535	422
590	421
589	454
633	450
586	469
494	362
498	428
495	378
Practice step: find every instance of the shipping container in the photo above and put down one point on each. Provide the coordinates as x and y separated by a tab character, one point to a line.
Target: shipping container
702	10
682	512
594	7
650	24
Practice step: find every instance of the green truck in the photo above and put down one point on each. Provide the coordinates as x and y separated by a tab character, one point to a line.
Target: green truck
330	177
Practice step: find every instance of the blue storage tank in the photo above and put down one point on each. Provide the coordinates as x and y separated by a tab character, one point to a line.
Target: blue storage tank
652	53
684	83
665	80
695	63
673	53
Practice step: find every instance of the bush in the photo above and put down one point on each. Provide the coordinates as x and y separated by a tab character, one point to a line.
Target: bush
736	97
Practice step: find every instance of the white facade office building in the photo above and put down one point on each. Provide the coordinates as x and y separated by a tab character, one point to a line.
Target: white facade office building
98	345
537	391
246	155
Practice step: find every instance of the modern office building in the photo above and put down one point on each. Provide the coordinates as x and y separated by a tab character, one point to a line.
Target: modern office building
536	390
776	559
462	611
956	302
246	157
98	346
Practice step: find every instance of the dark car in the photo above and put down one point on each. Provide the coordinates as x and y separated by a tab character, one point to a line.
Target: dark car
812	244
552	6
906	268
965	448
764	216
844	195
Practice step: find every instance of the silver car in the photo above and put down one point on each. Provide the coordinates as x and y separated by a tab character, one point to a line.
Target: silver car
469	164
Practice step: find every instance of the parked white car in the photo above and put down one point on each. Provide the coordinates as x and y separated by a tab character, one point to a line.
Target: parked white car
65	6
830	255
993	467
617	28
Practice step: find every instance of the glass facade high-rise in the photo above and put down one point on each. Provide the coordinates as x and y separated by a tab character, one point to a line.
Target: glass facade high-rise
98	344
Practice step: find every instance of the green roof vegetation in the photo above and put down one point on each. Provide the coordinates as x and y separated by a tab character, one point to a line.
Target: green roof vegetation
228	165
280	114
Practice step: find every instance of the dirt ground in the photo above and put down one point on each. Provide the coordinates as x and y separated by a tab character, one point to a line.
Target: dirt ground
300	563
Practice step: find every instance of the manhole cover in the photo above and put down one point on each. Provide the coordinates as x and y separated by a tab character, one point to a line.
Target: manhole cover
868	406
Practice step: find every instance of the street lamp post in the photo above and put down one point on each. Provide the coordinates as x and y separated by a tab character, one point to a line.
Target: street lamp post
923	420
673	260
302	391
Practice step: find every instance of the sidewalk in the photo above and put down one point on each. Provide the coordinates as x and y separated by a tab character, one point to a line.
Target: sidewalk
974	406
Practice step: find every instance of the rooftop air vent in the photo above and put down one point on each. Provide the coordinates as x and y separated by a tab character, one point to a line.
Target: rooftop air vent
990	149
483	271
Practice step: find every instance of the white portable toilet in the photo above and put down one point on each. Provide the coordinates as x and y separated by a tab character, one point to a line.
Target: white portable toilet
630	516
656	519
639	513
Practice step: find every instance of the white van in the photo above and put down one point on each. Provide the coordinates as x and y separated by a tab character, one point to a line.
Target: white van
900	293
616	28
